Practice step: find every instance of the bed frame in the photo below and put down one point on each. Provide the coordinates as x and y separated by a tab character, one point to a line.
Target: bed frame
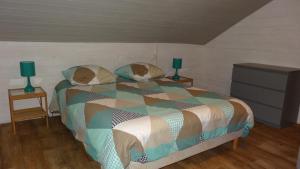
196	149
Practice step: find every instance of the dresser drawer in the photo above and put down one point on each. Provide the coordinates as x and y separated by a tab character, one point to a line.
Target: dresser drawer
261	95
262	78
266	114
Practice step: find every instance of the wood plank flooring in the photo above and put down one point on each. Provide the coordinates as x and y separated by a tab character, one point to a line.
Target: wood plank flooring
36	147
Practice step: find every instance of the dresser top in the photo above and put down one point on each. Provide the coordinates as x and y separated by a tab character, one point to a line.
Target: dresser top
265	67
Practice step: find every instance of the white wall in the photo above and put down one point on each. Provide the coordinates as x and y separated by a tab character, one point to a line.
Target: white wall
52	58
271	35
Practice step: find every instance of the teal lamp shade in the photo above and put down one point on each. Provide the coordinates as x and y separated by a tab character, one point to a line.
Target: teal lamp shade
27	69
177	64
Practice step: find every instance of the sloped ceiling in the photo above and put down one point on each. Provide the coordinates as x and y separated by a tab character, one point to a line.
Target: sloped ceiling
166	21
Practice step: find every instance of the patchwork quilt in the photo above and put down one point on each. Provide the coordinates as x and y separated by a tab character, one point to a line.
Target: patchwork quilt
145	121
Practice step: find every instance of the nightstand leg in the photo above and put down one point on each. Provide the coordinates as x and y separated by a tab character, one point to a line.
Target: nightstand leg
11	108
41	102
46	108
13	127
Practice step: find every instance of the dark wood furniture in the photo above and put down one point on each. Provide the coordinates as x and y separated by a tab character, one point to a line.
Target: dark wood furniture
184	80
273	92
28	113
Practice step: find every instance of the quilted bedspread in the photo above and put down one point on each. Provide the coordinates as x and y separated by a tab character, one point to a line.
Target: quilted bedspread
145	121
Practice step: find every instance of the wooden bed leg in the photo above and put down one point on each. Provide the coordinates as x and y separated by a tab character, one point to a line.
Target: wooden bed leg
235	143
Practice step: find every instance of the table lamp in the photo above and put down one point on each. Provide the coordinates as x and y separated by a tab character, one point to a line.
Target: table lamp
27	69
177	63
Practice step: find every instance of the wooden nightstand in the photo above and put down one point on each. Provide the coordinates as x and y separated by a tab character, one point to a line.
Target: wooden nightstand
184	80
29	113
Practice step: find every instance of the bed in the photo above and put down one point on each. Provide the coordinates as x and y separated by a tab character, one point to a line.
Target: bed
136	125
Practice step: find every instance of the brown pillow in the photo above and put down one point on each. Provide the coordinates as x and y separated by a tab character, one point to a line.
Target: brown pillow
139	71
88	75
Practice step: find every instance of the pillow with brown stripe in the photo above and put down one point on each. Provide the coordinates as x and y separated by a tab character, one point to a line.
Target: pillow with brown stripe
88	75
139	71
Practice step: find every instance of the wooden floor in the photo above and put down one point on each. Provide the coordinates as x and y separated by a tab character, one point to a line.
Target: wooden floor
36	147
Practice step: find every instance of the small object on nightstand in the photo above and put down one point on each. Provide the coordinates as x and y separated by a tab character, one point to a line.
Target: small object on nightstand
27	69
183	80
28	113
177	64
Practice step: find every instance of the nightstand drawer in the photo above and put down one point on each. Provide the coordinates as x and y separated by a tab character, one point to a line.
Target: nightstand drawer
276	81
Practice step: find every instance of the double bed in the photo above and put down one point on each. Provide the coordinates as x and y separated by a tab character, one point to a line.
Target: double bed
136	125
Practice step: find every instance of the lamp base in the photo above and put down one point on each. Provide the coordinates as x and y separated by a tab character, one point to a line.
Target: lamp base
176	77
29	89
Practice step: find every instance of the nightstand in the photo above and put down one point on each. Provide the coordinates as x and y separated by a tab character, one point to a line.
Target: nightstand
28	113
183	80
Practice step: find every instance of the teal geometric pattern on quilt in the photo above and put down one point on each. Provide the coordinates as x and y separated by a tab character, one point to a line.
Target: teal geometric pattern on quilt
146	120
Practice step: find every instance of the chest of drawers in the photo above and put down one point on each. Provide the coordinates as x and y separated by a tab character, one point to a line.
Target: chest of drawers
272	92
